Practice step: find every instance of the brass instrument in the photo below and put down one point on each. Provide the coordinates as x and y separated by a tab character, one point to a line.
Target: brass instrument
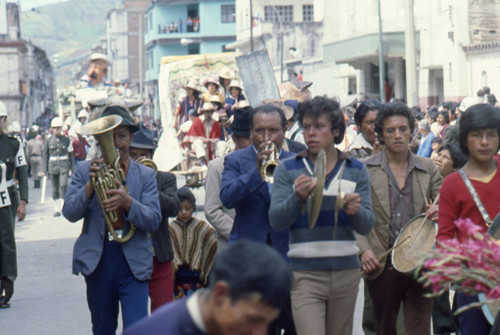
268	166
109	173
149	163
316	197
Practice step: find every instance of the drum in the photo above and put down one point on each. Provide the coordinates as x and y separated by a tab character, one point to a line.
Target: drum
418	242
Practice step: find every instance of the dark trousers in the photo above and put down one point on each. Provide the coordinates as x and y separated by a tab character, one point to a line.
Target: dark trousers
59	185
110	283
442	317
472	321
161	285
392	288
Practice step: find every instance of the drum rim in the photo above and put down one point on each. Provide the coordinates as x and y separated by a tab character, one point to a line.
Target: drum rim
399	235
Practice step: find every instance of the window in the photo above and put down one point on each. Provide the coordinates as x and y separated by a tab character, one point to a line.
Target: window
274	13
193	49
308	13
227	14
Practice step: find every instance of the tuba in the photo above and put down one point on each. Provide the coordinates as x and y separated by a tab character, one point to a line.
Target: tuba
268	166
106	177
149	163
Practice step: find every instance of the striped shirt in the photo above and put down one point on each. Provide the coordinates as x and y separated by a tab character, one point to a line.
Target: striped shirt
318	249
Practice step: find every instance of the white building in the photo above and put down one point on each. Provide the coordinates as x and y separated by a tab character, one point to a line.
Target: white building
456	42
286	28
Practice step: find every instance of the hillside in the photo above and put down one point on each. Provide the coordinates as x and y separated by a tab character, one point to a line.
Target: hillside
68	29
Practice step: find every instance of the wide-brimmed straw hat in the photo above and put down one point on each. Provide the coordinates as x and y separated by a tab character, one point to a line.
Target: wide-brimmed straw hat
226	73
216	98
287	110
207	106
236	83
193	83
213	80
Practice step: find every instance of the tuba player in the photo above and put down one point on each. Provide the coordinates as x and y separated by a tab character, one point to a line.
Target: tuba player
115	272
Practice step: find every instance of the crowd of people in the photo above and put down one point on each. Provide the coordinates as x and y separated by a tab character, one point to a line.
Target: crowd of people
192	26
383	165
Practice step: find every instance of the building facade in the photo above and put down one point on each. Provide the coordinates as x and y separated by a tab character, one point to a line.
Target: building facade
177	28
26	81
455	48
286	28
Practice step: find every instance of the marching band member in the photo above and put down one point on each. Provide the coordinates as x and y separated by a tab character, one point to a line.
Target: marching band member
325	267
161	285
400	185
12	204
478	136
58	162
243	189
115	272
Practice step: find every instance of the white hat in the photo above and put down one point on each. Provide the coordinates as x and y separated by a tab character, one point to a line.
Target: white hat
3	109
16	127
99	56
235	83
56	122
226	73
193	83
83	113
467	102
207	106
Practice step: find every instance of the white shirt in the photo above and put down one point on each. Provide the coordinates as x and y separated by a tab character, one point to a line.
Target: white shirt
193	308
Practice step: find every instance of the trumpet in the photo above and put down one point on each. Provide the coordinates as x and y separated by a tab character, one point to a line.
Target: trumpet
268	166
106	177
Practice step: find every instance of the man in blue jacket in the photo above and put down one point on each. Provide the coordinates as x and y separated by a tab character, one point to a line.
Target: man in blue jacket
242	187
115	272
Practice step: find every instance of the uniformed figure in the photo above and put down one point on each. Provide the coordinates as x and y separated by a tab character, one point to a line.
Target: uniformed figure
34	152
58	162
12	204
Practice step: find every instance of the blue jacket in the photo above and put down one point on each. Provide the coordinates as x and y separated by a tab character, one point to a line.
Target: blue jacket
171	319
243	189
144	213
425	147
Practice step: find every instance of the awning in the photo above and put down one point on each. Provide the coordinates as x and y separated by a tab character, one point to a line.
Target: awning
367	46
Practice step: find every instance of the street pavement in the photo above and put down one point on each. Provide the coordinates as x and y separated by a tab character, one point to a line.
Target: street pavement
48	298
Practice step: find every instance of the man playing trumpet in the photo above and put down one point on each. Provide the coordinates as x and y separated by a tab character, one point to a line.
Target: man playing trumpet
115	272
323	255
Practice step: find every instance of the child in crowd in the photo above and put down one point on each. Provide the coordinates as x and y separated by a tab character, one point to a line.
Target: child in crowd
195	245
436	143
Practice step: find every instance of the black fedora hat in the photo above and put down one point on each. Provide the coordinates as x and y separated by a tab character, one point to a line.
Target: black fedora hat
242	122
143	138
125	114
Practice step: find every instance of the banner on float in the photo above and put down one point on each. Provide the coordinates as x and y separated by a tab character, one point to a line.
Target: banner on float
257	76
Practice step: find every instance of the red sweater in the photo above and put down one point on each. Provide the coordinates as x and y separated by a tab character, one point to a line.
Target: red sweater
456	202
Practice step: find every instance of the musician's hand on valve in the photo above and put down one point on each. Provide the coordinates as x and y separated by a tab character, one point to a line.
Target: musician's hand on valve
432	212
117	198
304	185
352	202
369	262
264	151
95	166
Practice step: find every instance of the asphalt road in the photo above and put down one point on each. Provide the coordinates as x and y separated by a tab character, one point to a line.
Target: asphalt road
48	298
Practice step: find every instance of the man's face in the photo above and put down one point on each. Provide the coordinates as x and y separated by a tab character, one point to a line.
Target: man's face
482	144
57	131
97	71
318	134
122	137
267	126
396	134
137	153
244	316
368	126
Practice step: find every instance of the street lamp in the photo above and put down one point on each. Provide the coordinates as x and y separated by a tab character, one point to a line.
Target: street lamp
187	41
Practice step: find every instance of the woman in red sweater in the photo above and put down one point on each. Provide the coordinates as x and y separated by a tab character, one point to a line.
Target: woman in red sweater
479	138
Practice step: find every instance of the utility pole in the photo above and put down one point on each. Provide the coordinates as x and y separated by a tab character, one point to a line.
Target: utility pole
251	25
410	52
381	67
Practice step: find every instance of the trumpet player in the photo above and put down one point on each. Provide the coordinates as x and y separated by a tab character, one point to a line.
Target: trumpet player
243	188
115	272
401	186
161	285
323	257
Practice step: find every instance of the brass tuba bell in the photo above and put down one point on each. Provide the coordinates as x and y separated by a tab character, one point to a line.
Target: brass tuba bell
106	177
